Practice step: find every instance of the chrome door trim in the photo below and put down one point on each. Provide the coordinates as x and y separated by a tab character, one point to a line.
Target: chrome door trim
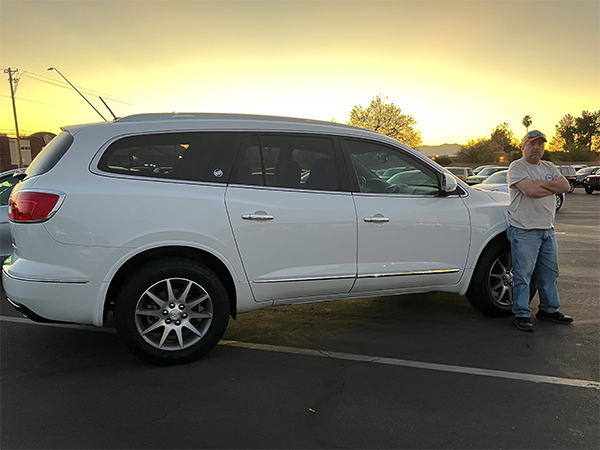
398	274
404	274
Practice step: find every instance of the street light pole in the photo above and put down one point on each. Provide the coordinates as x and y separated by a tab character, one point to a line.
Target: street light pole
65	78
10	72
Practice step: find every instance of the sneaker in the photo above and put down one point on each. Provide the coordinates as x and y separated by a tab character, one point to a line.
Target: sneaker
523	323
556	317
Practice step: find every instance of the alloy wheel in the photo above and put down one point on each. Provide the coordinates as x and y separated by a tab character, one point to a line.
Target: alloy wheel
173	314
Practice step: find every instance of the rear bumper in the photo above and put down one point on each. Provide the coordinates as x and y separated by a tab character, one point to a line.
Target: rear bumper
29	314
52	301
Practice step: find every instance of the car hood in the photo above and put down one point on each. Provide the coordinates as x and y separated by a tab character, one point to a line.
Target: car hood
500	187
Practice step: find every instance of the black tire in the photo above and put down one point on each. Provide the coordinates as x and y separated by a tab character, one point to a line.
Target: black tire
588	190
572	183
171	311
490	290
559	201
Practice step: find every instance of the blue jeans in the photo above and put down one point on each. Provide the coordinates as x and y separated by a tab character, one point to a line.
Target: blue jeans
534	251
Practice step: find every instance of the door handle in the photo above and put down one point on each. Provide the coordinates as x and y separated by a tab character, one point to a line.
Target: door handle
257	216
378	218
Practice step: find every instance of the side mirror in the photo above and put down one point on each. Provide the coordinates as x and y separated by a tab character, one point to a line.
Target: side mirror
449	183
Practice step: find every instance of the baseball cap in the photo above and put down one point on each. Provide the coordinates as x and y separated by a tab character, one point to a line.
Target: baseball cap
533	135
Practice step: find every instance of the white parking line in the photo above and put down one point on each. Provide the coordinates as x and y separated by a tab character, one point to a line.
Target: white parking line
361	358
420	365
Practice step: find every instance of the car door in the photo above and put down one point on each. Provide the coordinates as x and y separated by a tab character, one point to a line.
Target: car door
408	234
293	217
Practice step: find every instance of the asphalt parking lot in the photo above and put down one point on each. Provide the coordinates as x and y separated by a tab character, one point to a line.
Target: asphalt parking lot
414	371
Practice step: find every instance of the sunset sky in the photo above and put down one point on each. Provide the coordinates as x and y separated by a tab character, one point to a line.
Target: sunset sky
459	67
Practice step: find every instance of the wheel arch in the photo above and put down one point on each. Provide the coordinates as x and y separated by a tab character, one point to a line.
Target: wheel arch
194	254
497	239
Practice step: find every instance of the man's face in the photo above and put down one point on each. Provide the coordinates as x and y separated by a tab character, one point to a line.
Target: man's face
533	151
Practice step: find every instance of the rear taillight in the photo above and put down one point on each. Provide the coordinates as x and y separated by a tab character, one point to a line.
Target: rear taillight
29	206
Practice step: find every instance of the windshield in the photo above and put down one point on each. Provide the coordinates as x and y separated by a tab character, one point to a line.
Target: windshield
586	170
497	178
488	171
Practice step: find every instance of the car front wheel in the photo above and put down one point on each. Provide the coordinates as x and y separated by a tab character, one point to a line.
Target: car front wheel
559	201
588	190
171	311
491	288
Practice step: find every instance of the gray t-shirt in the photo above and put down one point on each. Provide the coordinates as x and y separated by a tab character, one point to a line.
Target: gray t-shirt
527	212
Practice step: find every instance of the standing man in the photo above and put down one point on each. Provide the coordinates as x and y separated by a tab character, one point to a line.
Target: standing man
533	185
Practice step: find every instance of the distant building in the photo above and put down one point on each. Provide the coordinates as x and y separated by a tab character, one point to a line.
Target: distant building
30	147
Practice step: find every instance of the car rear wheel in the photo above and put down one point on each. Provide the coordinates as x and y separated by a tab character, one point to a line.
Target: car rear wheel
491	288
572	183
171	311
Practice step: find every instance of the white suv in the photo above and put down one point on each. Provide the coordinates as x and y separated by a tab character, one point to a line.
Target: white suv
175	222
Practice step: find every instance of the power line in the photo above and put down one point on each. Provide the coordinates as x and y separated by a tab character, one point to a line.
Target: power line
21	99
64	85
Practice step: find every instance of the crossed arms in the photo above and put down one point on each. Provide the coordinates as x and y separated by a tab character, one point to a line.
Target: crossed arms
542	188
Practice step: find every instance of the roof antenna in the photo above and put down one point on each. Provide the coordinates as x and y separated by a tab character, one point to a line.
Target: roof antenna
107	107
76	90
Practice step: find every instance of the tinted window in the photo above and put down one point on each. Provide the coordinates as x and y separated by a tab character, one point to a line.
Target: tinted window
50	155
181	156
373	162
288	161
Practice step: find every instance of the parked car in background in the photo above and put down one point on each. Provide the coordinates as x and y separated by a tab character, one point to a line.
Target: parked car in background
174	222
569	173
461	172
591	183
579	166
480	168
7	182
499	182
582	173
486	172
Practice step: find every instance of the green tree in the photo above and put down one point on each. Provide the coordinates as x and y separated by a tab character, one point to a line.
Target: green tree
504	139
527	123
443	160
485	150
578	137
480	151
587	127
387	118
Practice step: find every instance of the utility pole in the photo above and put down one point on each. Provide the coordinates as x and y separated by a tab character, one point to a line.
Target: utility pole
10	72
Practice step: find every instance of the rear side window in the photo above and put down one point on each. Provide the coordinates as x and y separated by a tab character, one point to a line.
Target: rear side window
288	161
180	156
50	155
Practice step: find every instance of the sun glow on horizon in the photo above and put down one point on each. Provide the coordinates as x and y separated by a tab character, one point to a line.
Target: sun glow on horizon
457	67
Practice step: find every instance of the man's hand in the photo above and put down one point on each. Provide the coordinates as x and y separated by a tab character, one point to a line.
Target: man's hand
542	188
558	185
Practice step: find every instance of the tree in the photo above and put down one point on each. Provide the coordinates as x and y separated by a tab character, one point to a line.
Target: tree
578	137
527	123
443	160
386	118
483	151
480	151
504	138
